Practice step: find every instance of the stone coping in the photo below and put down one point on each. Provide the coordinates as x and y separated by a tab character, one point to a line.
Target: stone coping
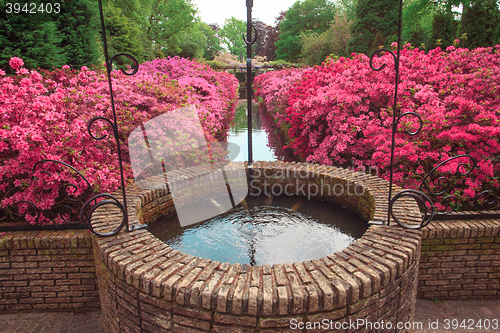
367	267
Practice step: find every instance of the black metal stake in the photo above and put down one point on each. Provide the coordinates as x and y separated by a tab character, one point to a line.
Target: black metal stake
394	116
115	122
249	43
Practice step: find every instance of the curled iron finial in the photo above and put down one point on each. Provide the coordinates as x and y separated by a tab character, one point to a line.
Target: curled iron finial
37	216
445	183
421	122
93	204
134	60
491	204
89	190
67	195
425	204
254	39
89	125
383	65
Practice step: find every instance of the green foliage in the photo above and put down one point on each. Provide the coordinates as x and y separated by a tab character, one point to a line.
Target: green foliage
80	32
231	35
375	24
199	42
314	49
334	42
417	18
303	18
123	33
444	29
45	39
168	22
481	23
213	46
214	64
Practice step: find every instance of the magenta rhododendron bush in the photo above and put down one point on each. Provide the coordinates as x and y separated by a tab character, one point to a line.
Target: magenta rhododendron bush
44	115
340	114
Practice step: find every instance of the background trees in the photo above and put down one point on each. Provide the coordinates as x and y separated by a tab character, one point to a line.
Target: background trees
167	22
375	24
481	22
231	35
307	32
49	39
304	17
335	41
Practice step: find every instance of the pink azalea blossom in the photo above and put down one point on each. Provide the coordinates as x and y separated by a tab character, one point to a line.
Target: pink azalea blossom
45	115
341	113
16	62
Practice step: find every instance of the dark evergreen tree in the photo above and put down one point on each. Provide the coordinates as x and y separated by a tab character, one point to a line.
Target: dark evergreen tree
375	24
32	37
444	28
79	29
481	23
51	35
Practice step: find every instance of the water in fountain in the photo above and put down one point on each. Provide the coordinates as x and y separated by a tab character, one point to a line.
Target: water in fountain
269	230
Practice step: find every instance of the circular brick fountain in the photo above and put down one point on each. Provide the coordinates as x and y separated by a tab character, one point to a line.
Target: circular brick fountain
146	286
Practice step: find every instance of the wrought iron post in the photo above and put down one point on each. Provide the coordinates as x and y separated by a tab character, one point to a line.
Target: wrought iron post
419	196
115	123
249	42
395	110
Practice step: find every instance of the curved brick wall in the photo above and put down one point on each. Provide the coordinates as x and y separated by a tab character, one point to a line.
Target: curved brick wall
146	286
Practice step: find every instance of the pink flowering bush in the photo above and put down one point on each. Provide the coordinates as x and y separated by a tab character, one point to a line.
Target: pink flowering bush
44	115
340	113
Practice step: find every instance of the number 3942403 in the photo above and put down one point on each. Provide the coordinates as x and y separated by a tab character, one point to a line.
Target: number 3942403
32	8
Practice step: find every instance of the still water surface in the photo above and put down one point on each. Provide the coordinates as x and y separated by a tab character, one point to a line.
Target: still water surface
292	229
267	145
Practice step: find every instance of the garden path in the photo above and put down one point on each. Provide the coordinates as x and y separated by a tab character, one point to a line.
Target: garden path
426	311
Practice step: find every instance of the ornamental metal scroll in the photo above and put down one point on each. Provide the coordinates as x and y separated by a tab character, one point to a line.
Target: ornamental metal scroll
424	201
485	199
96	200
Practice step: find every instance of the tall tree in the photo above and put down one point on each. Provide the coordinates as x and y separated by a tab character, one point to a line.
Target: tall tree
126	27
417	17
79	32
55	35
335	41
123	33
201	41
306	16
262	30
481	23
444	29
272	37
231	35
375	24
167	21
213	46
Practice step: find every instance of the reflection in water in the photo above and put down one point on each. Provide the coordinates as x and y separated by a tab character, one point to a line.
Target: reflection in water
267	145
286	232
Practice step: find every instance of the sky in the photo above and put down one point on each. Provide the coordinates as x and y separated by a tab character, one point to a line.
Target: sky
217	11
